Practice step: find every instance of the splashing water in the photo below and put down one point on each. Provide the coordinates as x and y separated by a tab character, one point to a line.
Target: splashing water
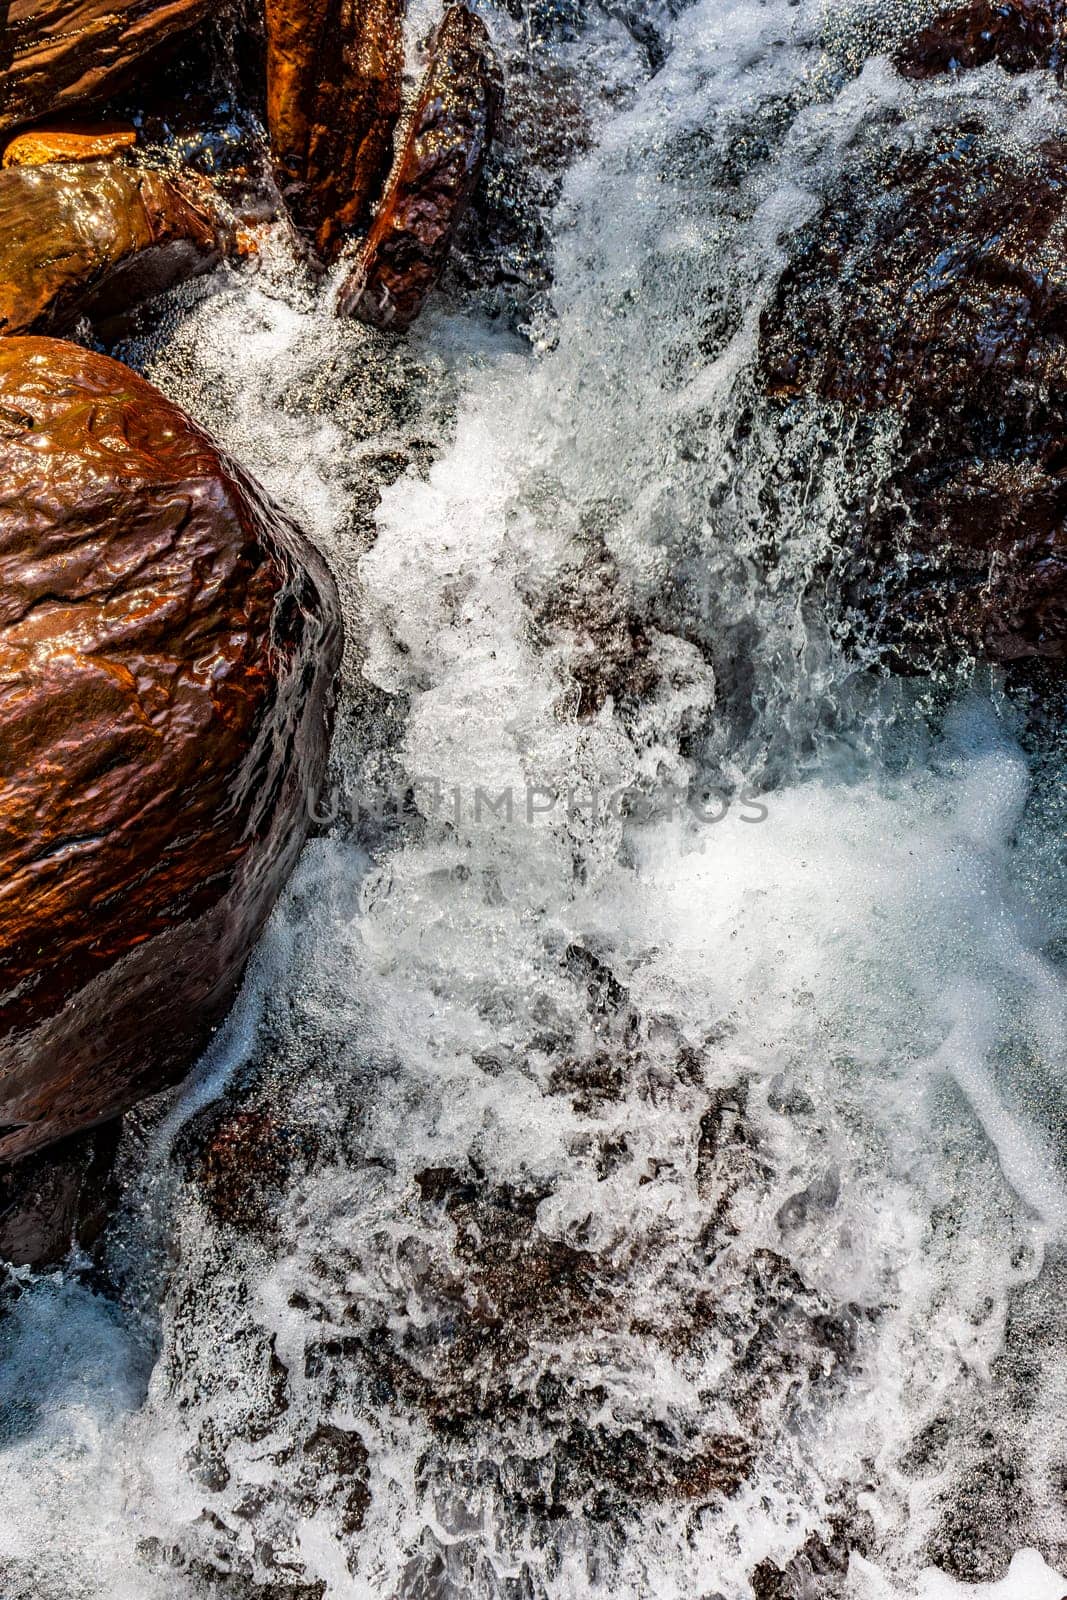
674	1199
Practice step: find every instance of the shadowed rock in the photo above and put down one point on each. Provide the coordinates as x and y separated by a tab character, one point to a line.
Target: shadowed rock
433	179
334	73
1018	34
58	1199
946	302
59	54
96	240
168	643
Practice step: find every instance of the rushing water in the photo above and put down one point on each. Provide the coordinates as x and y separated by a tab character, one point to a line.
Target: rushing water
675	1193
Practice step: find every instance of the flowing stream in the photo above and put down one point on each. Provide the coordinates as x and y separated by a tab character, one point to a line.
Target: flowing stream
664	1031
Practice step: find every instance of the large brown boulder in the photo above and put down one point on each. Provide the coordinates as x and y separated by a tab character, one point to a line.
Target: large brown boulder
56	55
433	179
95	239
936	288
334	75
168	642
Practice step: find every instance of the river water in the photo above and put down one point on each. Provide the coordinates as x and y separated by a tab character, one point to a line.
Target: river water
665	1026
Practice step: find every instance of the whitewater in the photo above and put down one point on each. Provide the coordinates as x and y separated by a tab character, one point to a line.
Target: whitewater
667	1018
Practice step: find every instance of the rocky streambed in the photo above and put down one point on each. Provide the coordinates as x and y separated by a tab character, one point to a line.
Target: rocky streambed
600	1132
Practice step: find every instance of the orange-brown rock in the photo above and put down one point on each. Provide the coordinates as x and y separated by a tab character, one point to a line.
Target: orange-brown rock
334	71
432	181
56	55
944	300
96	240
68	142
168	643
1019	34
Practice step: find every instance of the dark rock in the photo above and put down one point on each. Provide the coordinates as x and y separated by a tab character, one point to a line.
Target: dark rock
337	1472
984	1519
819	1569
334	75
244	1165
945	300
168	643
96	240
588	614
58	1199
1018	34
433	179
59	54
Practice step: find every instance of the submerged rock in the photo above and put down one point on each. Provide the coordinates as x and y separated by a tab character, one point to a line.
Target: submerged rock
239	1162
334	73
74	141
1018	34
58	54
94	241
945	302
168	643
433	179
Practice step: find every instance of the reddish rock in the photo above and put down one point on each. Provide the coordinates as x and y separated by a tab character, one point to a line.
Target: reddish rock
168	643
1019	34
433	179
73	141
60	54
97	240
241	1164
945	299
334	72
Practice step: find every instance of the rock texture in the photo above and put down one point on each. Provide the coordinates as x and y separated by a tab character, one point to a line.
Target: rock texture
56	55
334	71
168	643
74	141
946	301
59	1198
1019	34
433	179
95	241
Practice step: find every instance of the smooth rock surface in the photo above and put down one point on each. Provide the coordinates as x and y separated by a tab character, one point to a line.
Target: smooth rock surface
947	303
68	142
96	240
168	642
56	55
334	74
433	179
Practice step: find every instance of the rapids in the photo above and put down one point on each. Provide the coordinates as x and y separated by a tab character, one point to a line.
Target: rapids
666	1025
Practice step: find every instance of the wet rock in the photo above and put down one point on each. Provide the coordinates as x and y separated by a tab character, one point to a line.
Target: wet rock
244	1165
1018	34
334	76
588	615
74	141
433	179
819	1569
94	241
168	643
58	1199
58	54
980	1526
337	1470
945	302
